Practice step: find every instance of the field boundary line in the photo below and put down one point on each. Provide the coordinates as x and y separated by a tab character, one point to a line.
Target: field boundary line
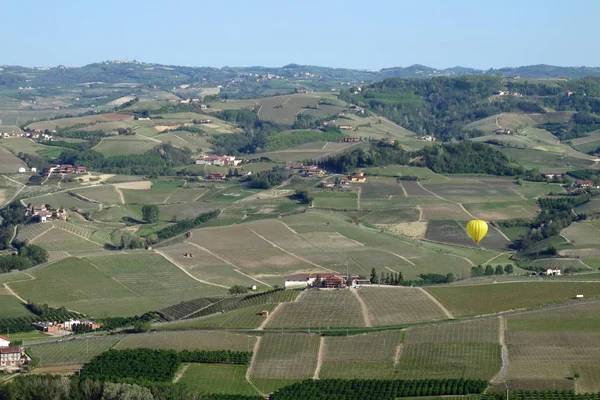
420	213
118	281
175	263
352	240
288	252
358	198
399	256
363	307
502	233
505	360
493	258
181	372
201	194
272	313
235	267
398	354
403	190
169	196
149	138
319	357
450	201
120	194
251	366
32	278
288	227
439	303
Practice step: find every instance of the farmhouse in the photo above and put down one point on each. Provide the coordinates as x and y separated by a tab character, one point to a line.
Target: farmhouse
583	183
346	127
44	215
344	182
428	138
313	171
358	177
80	170
502	131
327	185
552	175
22	170
11	356
4	341
205	121
221	161
552	271
63	326
331	281
216	176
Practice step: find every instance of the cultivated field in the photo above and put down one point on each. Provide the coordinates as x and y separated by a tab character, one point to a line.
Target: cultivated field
57	239
189	340
9	163
366	356
286	356
243	318
90	119
488	299
214	378
453	350
73	351
11	307
124	145
399	305
547	348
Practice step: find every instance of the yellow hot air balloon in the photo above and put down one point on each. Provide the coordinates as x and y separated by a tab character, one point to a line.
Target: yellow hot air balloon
477	229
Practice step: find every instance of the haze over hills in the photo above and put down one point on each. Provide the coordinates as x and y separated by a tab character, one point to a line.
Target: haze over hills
140	72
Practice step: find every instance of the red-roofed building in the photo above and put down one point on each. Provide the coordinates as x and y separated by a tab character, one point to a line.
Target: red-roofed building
4	341
216	176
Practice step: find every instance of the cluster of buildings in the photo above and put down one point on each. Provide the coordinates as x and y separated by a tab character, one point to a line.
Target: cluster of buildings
43	213
352	139
64	326
10	356
552	271
502	131
428	138
306	170
188	101
508	93
64	169
34	134
585	184
329	281
221	161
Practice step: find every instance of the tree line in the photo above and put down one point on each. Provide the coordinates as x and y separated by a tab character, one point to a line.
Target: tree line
456	158
150	365
375	389
55	387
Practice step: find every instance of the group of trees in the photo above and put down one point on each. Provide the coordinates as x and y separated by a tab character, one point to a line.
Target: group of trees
303	196
26	257
375	389
396	278
43	310
55	387
269	179
150	365
555	216
455	158
489	270
186	225
161	160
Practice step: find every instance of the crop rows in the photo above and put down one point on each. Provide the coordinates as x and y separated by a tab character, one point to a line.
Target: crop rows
73	351
32	230
76	229
189	340
380	190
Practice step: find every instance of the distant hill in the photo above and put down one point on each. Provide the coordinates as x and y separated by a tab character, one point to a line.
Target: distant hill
294	75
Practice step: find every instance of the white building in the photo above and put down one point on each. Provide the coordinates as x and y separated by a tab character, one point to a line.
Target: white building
552	271
299	281
34	169
22	169
4	341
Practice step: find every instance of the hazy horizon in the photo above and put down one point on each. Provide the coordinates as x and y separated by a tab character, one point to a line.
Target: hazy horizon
336	34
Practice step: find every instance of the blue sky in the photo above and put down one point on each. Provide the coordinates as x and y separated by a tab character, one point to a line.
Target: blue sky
369	34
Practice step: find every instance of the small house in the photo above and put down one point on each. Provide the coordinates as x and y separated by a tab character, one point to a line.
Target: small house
264	313
428	138
216	176
80	170
552	271
334	282
22	170
11	356
344	182
44	215
187	255
34	169
358	177
4	341
299	281
346	127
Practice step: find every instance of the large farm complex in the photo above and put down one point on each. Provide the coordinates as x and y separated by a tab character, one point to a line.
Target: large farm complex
261	242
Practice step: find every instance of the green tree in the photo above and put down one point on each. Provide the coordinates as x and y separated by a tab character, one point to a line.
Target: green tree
35	253
150	213
125	391
489	270
142	326
238	289
508	268
499	270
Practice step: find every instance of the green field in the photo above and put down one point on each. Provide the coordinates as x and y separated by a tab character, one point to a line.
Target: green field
9	163
488	299
124	145
189	340
71	352
11	307
223	379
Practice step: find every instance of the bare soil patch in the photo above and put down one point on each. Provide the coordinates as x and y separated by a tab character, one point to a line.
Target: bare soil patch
140	185
414	229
